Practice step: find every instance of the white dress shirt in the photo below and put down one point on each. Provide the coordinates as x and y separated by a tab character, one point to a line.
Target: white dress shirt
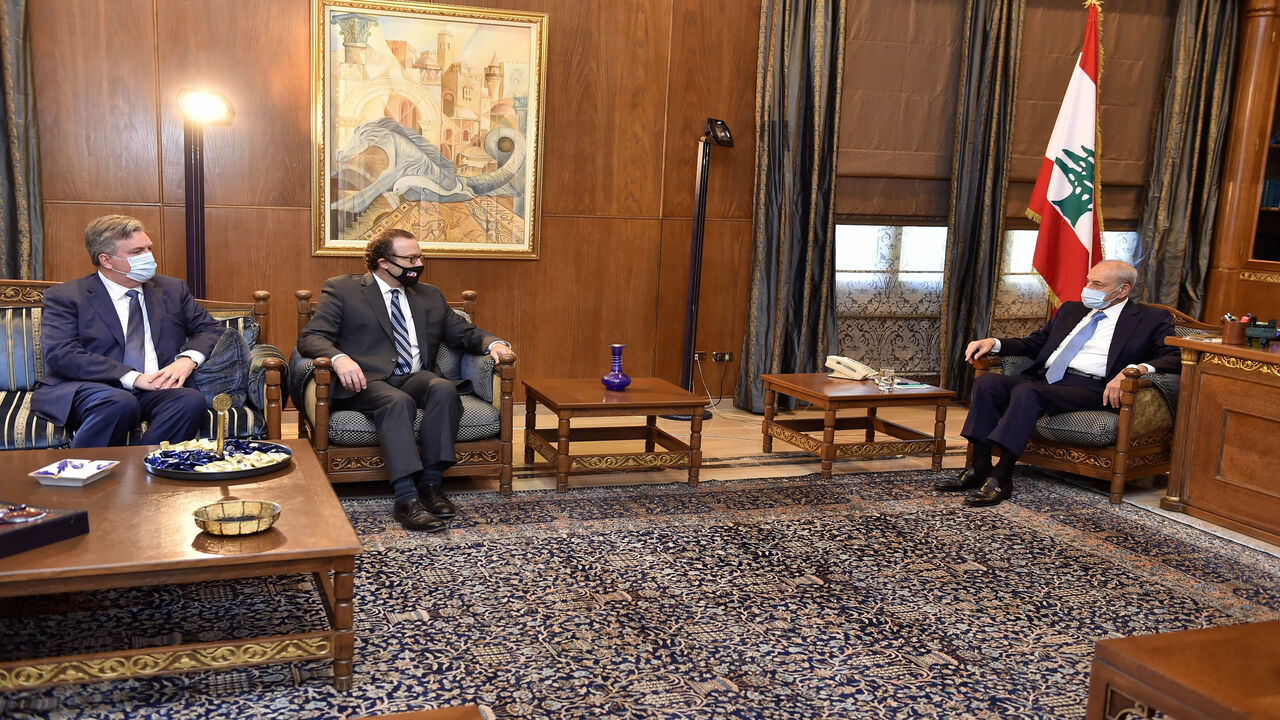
1092	357
120	299
416	358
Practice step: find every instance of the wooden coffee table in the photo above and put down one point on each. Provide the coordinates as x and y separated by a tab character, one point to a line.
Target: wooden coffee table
833	395
141	532
1224	673
647	396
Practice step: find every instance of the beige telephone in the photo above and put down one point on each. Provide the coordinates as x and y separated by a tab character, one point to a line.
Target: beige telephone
844	368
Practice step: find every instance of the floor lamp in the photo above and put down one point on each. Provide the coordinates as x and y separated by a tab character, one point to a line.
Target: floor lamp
199	108
717	133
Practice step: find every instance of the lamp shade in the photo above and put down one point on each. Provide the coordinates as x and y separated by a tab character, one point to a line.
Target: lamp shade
205	107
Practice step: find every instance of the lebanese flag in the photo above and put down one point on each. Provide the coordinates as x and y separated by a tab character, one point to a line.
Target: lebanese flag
1064	200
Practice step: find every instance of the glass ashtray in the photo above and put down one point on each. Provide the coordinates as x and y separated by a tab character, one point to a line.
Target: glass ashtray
237	517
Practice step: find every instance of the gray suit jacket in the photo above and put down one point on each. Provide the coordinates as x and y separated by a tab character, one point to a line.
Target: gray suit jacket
351	317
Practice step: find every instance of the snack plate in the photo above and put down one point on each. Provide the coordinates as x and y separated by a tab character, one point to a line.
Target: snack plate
226	475
73	472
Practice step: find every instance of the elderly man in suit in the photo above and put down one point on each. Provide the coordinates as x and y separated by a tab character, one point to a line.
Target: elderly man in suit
382	330
1080	359
120	343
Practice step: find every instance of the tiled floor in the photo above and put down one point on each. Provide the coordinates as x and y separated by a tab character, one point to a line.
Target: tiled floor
731	450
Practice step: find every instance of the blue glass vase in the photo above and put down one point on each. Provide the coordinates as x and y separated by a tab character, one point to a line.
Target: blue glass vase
615	379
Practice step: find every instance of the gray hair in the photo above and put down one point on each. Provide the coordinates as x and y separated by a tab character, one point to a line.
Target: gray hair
102	235
1123	272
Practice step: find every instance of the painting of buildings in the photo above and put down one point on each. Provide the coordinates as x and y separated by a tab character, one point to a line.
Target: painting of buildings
430	117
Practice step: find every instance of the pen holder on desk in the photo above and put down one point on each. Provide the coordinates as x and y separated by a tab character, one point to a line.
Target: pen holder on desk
1233	332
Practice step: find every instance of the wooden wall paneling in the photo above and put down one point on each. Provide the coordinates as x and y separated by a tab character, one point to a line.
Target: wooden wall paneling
722	304
606	89
64	254
267	249
258	55
94	76
712	74
596	284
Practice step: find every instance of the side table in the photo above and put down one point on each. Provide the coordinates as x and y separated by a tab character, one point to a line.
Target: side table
1223	673
835	394
647	396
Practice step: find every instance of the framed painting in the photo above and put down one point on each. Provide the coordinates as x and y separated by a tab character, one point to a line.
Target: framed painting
428	118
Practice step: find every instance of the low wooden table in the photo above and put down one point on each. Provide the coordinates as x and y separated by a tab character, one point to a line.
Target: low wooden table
1213	674
835	394
651	397
141	532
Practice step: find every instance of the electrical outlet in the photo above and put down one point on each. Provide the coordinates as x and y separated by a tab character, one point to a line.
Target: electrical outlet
700	356
723	357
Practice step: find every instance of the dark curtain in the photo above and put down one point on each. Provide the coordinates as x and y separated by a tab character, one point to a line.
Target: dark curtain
21	253
791	323
979	179
1187	156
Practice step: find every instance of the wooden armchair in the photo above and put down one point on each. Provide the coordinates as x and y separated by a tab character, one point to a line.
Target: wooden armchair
21	364
1114	447
347	442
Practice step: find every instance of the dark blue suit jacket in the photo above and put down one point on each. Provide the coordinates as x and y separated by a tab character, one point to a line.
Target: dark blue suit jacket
83	341
1138	338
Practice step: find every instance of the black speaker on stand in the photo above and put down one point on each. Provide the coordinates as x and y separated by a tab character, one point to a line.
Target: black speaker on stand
716	133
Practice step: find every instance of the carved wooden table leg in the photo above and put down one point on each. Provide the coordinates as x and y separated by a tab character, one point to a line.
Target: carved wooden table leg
695	446
828	441
563	461
871	424
530	423
939	434
343	610
651	432
770	409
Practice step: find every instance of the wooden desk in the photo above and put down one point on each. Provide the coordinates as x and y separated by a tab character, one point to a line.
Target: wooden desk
835	394
1226	673
651	397
141	532
1226	452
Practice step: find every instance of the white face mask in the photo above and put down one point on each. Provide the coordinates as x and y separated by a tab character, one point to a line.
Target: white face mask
1096	299
141	267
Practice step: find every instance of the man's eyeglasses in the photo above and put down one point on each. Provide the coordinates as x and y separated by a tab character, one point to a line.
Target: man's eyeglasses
413	259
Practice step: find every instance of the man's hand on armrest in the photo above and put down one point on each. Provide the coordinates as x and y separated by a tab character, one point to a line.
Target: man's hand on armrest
497	350
349	373
978	348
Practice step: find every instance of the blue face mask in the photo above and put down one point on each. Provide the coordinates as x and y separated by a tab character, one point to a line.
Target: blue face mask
141	267
1095	299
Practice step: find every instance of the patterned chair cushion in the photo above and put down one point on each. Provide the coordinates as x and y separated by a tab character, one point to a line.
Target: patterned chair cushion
480	420
1092	428
479	370
226	370
23	429
257	396
21	362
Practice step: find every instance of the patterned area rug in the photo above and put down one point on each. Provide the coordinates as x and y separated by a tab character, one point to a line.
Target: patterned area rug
863	596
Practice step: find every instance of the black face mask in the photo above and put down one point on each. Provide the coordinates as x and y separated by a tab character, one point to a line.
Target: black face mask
408	276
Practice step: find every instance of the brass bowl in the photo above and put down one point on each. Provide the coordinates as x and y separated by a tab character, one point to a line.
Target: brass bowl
237	517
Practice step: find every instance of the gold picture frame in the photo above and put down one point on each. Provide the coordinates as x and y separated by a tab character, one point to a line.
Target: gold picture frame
427	118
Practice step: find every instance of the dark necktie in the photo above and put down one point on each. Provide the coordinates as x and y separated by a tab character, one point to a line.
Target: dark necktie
1058	367
404	354
135	350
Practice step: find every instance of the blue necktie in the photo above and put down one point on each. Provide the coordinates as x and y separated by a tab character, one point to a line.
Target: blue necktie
404	354
1058	367
135	349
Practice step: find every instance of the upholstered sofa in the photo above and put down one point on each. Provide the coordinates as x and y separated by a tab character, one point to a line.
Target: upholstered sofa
347	442
1115	447
22	364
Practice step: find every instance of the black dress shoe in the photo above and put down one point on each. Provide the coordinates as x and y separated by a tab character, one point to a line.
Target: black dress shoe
413	516
968	479
992	492
433	497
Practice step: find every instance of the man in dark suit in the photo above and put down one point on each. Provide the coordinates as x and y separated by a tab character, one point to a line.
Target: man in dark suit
1075	353
382	330
120	343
